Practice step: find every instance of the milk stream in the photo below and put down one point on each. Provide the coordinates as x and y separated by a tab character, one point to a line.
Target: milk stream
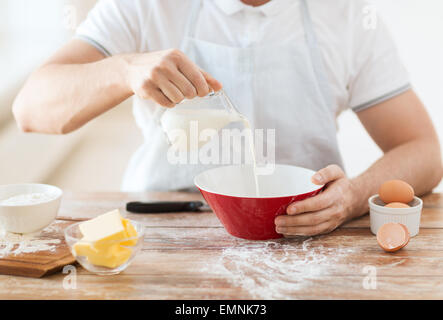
216	119
251	144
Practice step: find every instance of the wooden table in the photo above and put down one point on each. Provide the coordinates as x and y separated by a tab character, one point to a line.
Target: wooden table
191	256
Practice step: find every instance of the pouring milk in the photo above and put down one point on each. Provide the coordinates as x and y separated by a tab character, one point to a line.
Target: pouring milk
177	124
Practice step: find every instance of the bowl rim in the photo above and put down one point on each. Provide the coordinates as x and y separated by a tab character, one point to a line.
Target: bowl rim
394	211
320	187
57	190
76	239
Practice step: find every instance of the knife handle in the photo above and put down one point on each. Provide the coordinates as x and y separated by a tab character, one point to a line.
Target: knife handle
163	207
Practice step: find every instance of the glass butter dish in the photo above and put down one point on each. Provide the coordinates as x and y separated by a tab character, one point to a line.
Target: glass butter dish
106	257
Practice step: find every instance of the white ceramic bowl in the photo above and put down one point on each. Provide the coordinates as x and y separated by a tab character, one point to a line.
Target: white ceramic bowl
410	217
32	217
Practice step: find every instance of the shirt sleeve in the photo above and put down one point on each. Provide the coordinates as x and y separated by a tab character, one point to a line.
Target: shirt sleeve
377	71
113	27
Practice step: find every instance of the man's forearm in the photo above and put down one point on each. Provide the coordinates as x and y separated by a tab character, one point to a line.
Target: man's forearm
59	98
417	162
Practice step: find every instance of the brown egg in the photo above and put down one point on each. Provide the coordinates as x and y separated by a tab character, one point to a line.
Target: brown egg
397	205
392	236
396	191
407	231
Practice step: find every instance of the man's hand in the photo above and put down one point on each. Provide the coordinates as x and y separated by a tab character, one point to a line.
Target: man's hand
167	77
324	212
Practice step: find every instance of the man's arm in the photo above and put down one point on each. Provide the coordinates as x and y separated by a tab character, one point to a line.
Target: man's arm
73	87
78	84
402	128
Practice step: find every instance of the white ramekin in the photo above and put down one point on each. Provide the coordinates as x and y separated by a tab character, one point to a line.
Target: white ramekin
410	217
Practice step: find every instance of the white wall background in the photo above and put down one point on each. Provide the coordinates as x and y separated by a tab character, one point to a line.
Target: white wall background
417	27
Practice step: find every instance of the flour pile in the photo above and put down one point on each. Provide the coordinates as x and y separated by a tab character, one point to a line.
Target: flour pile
275	269
28	199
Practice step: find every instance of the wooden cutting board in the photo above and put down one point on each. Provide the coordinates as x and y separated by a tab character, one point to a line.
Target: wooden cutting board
39	263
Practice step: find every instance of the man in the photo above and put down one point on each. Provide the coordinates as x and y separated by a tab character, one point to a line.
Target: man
291	65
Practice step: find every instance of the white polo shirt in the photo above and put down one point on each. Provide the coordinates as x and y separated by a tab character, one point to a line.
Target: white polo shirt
360	57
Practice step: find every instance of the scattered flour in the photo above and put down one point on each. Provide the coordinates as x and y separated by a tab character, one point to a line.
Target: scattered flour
16	244
276	269
56	227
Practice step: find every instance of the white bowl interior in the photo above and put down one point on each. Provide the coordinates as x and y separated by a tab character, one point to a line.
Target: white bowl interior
376	204
238	181
376	200
8	191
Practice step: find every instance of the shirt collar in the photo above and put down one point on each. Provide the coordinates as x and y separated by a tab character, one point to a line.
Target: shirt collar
273	7
229	6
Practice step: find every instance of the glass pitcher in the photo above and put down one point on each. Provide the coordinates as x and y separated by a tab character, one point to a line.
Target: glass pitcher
193	123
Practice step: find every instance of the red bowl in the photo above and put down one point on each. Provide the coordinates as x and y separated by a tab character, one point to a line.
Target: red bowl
230	192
